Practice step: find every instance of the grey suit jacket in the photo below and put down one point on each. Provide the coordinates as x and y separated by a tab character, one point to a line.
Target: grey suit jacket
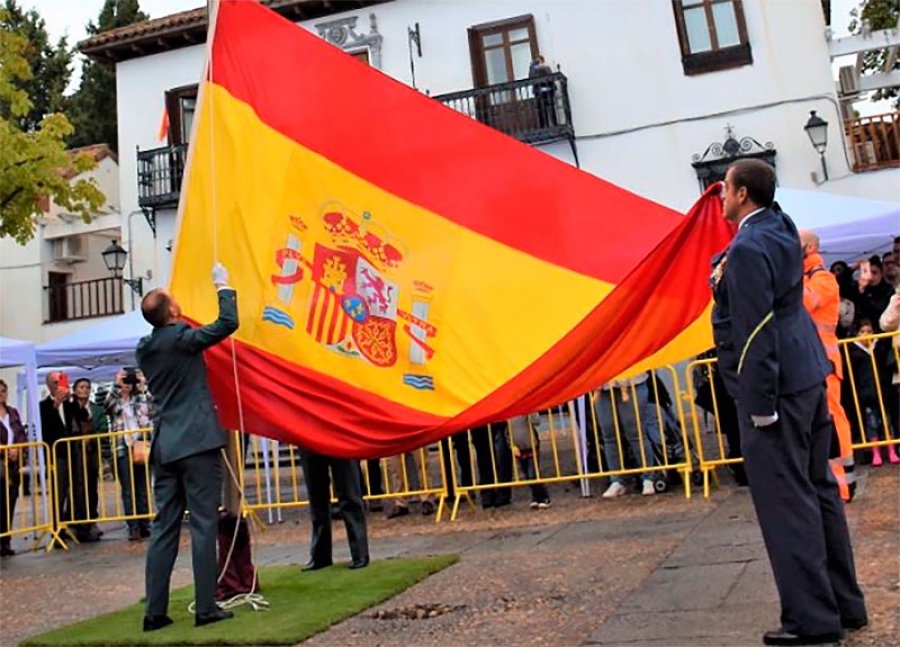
184	416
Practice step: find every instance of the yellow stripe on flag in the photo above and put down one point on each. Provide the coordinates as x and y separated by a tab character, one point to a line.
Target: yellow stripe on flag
507	308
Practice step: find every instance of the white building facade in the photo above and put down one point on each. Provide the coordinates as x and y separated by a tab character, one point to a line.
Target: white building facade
58	282
656	96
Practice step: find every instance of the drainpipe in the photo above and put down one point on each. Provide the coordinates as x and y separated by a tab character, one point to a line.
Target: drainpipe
131	252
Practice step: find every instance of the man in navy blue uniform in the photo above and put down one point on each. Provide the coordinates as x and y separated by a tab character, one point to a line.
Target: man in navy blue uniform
774	367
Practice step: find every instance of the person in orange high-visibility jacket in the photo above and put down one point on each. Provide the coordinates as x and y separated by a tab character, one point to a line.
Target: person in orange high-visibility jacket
821	297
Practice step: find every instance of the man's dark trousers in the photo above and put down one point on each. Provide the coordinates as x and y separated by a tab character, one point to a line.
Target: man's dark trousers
195	483
801	514
348	490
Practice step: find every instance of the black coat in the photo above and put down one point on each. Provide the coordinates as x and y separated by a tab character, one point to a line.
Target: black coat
52	426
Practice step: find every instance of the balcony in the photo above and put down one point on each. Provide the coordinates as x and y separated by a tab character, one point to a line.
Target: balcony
159	173
874	141
84	300
534	111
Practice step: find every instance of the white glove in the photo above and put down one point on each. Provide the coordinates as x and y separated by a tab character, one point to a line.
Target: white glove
220	275
764	421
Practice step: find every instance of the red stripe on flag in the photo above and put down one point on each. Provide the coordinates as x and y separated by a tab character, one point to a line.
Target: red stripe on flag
311	319
298	405
647	310
441	160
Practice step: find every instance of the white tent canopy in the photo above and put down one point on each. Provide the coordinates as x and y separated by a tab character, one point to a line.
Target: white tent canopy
22	353
110	343
849	228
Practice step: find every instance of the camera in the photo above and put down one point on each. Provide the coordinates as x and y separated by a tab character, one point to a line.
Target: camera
131	377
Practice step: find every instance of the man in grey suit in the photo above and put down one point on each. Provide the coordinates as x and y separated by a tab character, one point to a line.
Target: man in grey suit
185	452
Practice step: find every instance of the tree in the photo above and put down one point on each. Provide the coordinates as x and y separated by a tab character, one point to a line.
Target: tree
94	104
50	66
877	14
34	163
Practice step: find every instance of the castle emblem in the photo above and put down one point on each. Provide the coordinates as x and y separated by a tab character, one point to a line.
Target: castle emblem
354	304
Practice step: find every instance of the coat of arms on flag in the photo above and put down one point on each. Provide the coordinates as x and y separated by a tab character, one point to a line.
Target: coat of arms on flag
350	302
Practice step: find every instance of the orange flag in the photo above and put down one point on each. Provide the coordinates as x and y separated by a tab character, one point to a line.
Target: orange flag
404	272
163	125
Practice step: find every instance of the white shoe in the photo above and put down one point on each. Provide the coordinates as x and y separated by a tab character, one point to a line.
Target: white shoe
648	489
543	505
614	490
533	505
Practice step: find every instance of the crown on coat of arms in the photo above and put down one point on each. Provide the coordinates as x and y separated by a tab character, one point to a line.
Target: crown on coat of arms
348	230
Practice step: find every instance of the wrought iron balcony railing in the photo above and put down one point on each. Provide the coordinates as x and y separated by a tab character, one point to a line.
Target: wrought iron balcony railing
159	173
84	300
534	111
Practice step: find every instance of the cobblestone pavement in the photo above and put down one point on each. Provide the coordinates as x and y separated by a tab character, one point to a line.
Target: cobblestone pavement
635	571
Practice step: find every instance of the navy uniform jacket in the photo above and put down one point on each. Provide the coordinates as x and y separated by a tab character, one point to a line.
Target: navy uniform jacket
184	416
766	341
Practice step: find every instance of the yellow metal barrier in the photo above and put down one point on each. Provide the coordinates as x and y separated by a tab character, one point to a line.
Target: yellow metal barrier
82	498
661	445
868	382
875	395
709	457
24	511
275	478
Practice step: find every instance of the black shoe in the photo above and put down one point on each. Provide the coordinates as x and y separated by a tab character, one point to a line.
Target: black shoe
398	511
144	532
376	506
427	508
782	637
6	551
499	503
134	534
487	500
359	563
152	623
209	618
313	565
854	624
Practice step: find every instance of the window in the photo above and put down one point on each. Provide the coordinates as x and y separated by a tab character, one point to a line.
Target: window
181	103
361	56
713	35
58	296
502	51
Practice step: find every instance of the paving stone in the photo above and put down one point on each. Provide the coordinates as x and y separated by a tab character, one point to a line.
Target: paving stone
727	625
756	585
687	588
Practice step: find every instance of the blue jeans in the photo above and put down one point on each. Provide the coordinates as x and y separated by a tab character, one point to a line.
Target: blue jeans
136	505
628	427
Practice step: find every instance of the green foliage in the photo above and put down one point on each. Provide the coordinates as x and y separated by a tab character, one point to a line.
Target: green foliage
34	163
878	14
93	106
50	67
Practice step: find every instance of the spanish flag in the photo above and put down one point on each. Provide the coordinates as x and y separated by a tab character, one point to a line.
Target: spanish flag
403	271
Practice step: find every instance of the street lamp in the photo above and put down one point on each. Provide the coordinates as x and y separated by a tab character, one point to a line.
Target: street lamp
114	256
817	129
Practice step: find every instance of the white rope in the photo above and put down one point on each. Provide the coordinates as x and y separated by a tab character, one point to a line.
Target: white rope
252	599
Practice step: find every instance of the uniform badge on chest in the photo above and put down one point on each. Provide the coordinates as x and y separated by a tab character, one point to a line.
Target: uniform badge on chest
718	271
